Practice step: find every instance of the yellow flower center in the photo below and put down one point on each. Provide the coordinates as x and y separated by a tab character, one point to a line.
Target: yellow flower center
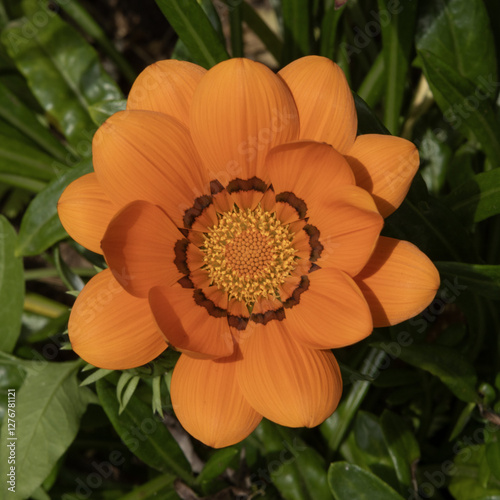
249	253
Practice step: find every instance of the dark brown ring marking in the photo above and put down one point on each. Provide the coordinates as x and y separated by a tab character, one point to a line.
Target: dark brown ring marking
294	299
298	204
213	310
191	214
253	184
316	246
264	318
180	250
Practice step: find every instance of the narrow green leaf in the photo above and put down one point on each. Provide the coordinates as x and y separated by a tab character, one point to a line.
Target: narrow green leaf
297	35
348	482
161	487
40	227
95	376
49	406
23	119
217	464
397	43
144	434
11	287
236	27
482	279
26	161
64	73
451	367
368	122
128	393
372	88
329	25
402	445
74	9
194	29
477	198
463	103
273	43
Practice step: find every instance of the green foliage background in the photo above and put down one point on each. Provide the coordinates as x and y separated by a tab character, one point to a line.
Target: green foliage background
419	417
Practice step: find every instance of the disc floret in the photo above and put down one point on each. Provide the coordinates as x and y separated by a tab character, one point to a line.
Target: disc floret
249	254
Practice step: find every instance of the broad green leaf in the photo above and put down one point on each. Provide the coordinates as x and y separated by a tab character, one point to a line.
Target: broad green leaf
40	227
11	287
492	452
368	122
217	464
143	433
193	27
397	43
297	35
23	119
366	447
463	104
348	482
451	367
459	32
478	198
101	111
11	377
49	406
431	225
481	279
21	159
466	483
402	445
64	73
435	155
297	470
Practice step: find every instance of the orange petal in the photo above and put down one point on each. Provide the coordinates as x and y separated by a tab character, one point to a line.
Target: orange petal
331	313
143	155
191	322
240	111
208	402
385	166
398	282
349	226
166	87
310	170
324	100
287	383
111	329
139	247
85	211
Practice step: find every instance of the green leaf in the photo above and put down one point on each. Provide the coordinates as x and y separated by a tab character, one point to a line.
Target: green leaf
193	27
397	43
493	456
49	406
453	369
329	25
297	470
464	105
143	433
402	445
161	487
268	37
459	32
366	447
217	464
23	119
296	22
482	279
11	287
95	376
101	111
368	122
348	482
477	198
19	158
40	227
63	72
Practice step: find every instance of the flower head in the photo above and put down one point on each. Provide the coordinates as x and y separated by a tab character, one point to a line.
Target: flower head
240	218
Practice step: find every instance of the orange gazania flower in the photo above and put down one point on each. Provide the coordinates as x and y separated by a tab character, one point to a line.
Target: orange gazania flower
240	218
